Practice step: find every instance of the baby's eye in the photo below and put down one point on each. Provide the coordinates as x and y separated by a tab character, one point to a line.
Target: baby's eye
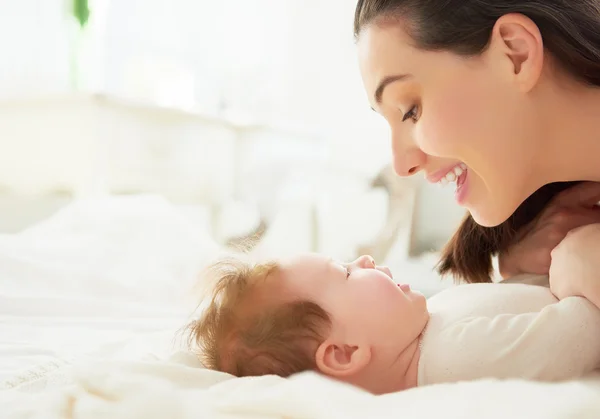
347	273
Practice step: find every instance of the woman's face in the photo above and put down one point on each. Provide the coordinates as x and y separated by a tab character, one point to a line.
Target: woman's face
449	113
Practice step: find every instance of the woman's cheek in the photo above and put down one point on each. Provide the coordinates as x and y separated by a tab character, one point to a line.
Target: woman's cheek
434	132
443	130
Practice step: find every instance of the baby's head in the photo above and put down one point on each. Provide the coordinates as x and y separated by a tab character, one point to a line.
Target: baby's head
347	321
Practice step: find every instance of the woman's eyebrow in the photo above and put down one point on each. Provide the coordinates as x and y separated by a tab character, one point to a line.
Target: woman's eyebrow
386	81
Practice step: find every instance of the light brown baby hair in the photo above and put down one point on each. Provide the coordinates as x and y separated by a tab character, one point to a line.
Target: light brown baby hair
247	327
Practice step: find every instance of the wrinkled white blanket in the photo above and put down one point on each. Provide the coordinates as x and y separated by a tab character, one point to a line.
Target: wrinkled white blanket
175	390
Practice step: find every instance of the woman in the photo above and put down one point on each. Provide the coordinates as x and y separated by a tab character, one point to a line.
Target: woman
499	98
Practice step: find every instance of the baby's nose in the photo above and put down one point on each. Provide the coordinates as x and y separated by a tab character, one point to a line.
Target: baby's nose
366	262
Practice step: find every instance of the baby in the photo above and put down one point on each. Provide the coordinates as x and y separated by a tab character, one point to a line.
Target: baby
354	323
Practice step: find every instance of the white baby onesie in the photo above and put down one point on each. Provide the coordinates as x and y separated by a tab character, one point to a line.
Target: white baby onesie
508	331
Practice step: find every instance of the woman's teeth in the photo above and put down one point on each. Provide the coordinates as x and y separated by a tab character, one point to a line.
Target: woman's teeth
453	174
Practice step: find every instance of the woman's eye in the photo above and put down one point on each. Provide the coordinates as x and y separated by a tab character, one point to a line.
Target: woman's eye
412	113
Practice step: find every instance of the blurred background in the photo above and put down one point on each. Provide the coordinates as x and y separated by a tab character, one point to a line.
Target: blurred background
248	116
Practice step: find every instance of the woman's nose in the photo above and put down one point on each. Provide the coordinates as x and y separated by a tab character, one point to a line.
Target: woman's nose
408	159
409	162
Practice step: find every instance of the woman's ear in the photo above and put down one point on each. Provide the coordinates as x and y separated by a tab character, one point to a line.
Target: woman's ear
340	360
518	38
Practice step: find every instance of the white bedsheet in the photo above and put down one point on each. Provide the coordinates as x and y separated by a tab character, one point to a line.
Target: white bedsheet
90	302
97	273
47	332
174	390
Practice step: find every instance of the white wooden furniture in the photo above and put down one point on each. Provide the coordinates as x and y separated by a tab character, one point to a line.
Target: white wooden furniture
81	145
93	144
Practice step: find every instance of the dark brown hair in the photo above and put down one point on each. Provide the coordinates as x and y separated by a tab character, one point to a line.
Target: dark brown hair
570	33
569	28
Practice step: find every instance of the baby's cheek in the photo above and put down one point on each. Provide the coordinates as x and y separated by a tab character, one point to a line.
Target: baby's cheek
390	297
376	295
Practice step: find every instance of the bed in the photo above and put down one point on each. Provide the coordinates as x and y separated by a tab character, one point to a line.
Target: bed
91	302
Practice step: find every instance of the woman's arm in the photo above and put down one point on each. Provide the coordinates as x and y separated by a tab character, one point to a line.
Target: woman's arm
530	253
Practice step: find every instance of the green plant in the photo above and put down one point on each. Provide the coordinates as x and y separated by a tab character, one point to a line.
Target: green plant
81	11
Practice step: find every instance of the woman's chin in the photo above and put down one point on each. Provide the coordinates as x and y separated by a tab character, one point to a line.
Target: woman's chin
490	207
488	215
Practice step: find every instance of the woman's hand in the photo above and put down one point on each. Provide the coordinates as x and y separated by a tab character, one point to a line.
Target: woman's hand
572	208
575	266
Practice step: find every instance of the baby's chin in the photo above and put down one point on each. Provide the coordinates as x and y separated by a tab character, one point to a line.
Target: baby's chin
407	289
418	297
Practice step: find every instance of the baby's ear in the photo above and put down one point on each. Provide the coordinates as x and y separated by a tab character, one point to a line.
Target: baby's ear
341	360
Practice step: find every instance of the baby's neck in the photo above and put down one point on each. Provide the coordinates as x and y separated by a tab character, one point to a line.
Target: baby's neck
407	367
400	374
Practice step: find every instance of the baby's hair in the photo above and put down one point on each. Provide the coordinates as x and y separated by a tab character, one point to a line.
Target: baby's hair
248	328
468	254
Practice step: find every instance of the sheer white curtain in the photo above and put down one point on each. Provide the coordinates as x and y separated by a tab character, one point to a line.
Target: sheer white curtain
213	55
289	61
34	52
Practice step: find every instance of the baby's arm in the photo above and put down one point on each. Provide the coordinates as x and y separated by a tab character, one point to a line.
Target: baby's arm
576	285
559	342
591	291
575	265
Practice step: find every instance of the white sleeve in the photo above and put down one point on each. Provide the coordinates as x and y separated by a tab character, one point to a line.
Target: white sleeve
559	342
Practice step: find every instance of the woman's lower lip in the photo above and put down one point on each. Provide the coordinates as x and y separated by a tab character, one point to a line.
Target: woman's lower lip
462	187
